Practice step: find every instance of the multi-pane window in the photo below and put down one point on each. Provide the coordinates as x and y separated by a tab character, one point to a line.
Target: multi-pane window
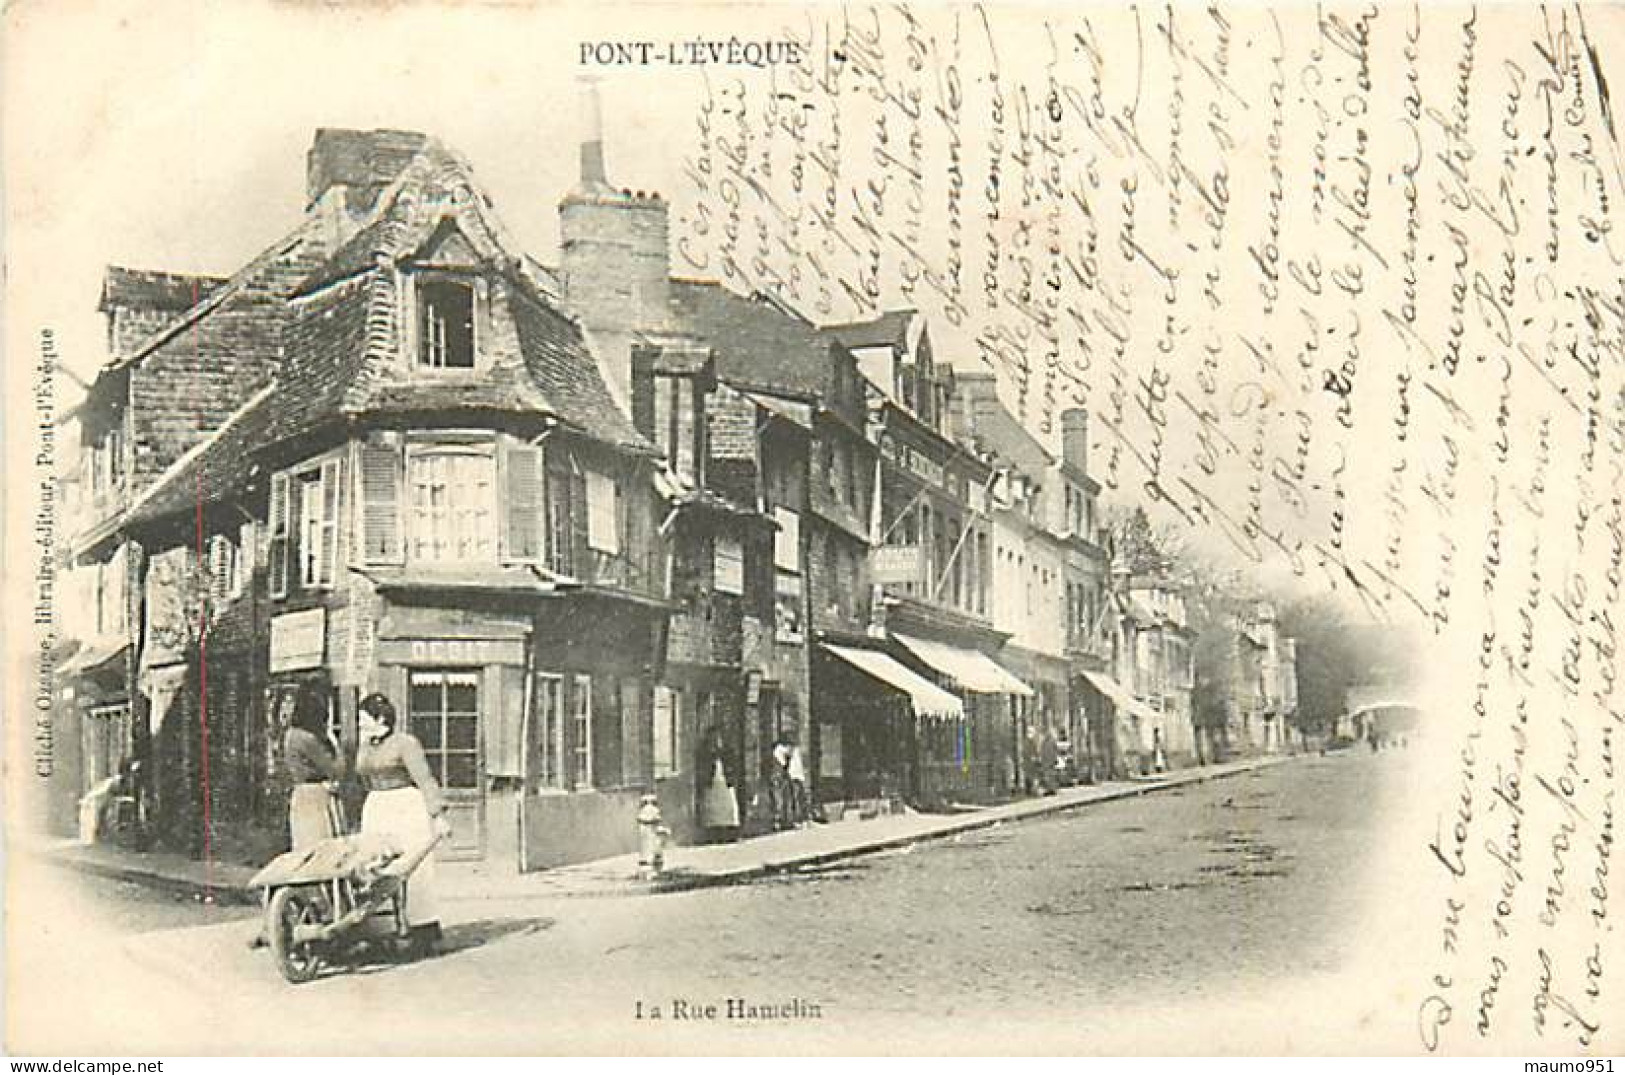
678	426
445	324
309	507
550	731
451	498
581	726
445	716
305	513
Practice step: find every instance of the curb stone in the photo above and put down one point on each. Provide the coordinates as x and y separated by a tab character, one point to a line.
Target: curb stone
238	893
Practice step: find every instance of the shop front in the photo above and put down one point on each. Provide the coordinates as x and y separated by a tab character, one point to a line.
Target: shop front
587	750
989	769
884	732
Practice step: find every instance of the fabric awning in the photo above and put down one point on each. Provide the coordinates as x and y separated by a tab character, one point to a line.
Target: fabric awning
1121	696
971	669
91	657
929	699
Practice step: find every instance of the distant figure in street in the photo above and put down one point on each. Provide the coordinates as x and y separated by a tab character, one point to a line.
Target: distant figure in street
1030	761
1049	756
795	768
778	784
312	764
403	803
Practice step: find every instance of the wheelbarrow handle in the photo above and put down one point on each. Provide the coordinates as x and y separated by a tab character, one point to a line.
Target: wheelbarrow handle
410	861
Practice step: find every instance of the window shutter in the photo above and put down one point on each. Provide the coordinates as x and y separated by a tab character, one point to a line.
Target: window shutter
578	525
381	501
327	557
522	503
219	568
281	554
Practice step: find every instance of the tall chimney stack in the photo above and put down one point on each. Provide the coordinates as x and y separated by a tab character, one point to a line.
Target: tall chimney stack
1075	439
613	254
593	175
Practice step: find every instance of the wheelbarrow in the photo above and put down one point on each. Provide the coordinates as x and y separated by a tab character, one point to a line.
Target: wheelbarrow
324	902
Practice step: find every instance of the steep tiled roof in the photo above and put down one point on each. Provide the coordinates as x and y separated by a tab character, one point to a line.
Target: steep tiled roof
325	352
890	329
213	469
150	289
341	352
559	362
757	344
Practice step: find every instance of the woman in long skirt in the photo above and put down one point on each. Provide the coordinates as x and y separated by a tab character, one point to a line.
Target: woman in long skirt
403	803
311	764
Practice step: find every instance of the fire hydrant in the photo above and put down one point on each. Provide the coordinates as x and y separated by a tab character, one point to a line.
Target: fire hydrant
652	835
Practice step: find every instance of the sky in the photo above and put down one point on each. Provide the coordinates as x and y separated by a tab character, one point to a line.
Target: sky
173	136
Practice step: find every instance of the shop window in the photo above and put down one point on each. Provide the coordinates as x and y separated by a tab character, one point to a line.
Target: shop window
445	717
829	751
667	739
581	727
634	763
549	756
451	497
445	324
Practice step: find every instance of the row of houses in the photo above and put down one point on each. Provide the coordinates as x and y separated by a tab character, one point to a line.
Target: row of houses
597	529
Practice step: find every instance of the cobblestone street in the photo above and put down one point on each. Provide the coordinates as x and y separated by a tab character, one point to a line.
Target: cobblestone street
1189	894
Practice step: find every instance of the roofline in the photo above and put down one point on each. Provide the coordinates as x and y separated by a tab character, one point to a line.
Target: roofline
217	298
173	470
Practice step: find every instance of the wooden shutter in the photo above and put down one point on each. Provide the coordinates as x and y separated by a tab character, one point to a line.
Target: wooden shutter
579	556
219	571
327	556
381	501
522	503
281	554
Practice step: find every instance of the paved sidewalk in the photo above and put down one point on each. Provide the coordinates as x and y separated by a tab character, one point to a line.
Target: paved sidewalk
686	867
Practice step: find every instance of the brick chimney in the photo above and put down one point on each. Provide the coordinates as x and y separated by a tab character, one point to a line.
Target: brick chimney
614	259
976	397
1075	438
346	171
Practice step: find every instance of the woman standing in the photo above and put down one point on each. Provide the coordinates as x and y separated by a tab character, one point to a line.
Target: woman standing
403	803
311	762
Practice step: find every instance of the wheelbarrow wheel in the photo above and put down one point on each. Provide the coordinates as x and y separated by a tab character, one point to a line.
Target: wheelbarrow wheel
297	960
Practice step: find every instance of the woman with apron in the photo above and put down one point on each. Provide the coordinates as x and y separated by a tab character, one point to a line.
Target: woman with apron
311	764
403	803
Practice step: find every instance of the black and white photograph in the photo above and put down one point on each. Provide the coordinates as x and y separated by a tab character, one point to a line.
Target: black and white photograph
813	529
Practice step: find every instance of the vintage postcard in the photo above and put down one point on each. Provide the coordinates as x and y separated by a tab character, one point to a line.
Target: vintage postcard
813	528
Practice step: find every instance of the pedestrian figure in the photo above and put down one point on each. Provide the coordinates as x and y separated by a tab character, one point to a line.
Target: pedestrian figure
312	764
1048	758
1030	760
403	803
778	784
795	769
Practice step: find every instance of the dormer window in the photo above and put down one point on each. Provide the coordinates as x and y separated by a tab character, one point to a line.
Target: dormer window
445	324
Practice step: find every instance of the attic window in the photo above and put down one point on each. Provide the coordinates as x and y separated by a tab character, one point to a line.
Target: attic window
446	324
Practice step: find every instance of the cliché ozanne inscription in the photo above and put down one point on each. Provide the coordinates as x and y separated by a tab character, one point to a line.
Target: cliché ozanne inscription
1343	290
